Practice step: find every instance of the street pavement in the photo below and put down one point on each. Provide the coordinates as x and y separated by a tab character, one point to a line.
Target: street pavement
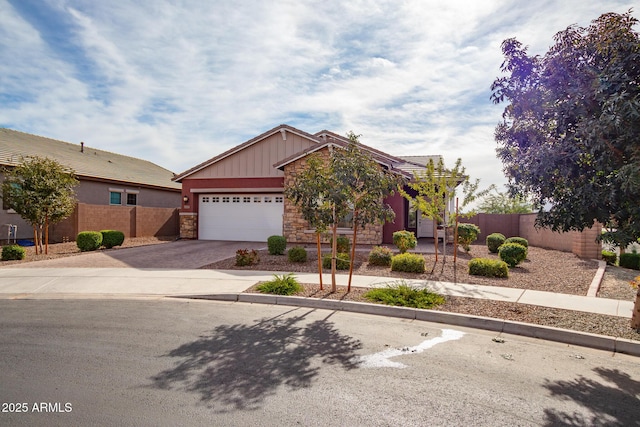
146	272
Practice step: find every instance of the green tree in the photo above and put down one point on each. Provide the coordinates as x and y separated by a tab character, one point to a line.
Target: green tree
365	184
41	191
503	203
434	188
348	182
570	134
310	190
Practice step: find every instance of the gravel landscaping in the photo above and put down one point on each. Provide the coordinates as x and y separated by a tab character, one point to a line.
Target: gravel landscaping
544	270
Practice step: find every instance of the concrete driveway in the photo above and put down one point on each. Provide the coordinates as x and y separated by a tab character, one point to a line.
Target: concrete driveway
183	254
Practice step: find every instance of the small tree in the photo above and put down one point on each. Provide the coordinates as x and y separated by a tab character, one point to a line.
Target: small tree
41	191
365	184
434	188
503	203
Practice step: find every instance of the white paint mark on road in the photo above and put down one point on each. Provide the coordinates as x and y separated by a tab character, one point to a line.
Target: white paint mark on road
381	359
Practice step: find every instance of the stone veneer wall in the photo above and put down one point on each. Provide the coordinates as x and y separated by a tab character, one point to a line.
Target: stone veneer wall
188	225
296	229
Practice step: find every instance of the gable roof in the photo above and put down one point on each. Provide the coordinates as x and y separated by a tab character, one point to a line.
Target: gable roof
281	128
86	162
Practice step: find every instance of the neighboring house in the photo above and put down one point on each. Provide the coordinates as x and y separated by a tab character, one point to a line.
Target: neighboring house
105	178
239	194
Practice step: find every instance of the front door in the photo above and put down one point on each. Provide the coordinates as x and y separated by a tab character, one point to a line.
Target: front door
424	226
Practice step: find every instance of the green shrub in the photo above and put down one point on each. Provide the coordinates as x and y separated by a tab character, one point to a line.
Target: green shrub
405	296
342	261
467	234
410	263
610	257
89	240
111	238
488	267
246	257
630	260
280	285
276	245
404	240
519	240
343	245
494	240
297	254
13	253
512	253
380	255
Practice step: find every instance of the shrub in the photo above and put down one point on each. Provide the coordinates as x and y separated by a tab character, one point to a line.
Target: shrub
111	238
488	267
13	252
410	263
246	257
380	255
405	296
467	234
494	241
512	253
630	260
519	240
343	245
280	285
610	257
342	261
276	245
404	240
297	254
89	240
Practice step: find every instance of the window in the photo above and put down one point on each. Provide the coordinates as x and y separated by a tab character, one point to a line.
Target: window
215	199
225	200
115	198
278	199
246	199
413	215
257	200
205	199
236	200
267	199
346	221
132	199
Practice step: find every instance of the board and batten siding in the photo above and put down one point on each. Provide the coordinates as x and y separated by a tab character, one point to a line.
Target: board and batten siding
258	159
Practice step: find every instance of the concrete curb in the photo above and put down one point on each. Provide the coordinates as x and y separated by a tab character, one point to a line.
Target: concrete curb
597	279
583	339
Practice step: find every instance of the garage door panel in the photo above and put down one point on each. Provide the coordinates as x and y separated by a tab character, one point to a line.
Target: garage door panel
238	217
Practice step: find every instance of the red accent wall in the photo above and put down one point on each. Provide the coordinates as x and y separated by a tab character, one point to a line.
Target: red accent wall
240	183
397	203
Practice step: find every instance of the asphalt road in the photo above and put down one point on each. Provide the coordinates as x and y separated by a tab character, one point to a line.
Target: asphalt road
182	362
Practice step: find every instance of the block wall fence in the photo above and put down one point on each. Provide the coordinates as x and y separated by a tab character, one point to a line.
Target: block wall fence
133	221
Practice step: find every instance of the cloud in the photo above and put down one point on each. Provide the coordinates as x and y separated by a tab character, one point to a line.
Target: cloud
179	82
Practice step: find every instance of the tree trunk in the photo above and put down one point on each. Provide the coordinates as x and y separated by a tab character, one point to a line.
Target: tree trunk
319	258
455	235
46	237
353	253
435	234
334	250
35	238
635	317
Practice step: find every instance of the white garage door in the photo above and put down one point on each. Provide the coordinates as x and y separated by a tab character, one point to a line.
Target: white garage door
240	217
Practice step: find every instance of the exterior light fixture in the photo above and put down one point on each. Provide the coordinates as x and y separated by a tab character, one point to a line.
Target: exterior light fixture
185	199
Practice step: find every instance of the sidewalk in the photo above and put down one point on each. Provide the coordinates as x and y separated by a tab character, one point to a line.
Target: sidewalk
34	283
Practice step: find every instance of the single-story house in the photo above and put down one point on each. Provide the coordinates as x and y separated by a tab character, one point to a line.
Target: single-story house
105	178
239	194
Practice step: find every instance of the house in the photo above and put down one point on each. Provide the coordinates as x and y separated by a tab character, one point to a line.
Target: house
239	194
113	184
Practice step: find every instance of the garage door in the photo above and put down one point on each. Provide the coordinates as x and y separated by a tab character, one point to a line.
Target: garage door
248	217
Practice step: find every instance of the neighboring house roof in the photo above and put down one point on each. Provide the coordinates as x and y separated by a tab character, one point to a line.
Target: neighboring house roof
86	162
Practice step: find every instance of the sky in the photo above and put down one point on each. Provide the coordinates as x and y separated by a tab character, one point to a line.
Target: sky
178	82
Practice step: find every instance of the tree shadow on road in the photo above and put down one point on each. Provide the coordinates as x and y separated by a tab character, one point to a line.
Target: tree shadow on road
613	404
238	366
